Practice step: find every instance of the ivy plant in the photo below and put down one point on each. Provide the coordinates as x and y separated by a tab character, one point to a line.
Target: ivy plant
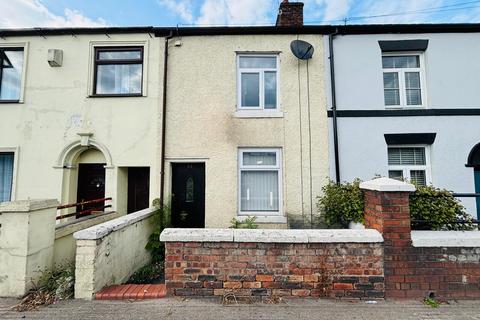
161	220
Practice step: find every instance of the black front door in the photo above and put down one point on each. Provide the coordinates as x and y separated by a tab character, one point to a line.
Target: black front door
138	188
91	185
188	195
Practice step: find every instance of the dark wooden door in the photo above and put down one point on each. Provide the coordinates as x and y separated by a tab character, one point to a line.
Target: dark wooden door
138	188
91	184
188	195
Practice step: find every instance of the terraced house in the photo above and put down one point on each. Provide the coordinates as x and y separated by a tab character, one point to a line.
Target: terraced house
228	122
79	116
221	122
406	105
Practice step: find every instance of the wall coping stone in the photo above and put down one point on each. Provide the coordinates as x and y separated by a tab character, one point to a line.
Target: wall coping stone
387	185
67	228
28	205
446	238
271	235
101	230
196	235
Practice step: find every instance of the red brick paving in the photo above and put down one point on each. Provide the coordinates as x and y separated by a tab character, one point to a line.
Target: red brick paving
132	291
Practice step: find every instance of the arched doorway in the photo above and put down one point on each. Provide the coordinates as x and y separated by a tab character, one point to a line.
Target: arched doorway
474	162
91	179
87	172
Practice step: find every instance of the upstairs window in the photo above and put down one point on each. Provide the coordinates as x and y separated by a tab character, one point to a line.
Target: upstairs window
257	82
402	80
11	67
118	71
6	175
409	163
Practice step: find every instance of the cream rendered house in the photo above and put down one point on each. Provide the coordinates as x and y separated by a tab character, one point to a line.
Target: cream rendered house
246	125
244	116
79	114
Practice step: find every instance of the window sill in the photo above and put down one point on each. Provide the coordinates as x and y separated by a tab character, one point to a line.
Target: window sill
116	95
405	107
264	218
10	101
258	114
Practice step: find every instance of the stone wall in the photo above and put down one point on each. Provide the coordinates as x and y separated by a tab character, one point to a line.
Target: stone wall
317	263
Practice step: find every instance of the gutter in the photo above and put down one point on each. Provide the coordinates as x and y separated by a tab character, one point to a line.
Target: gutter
164	118
334	106
225	30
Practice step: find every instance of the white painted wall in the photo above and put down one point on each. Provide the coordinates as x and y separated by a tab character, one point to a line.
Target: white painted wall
451	64
27	235
451	70
110	252
57	106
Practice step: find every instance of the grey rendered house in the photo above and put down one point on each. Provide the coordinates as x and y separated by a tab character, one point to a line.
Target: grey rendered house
406	105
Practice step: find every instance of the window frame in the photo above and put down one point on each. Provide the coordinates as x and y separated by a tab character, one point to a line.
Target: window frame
407	168
261	72
16	47
15	151
401	80
278	168
96	62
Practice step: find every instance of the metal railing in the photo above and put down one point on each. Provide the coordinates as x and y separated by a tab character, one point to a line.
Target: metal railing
81	212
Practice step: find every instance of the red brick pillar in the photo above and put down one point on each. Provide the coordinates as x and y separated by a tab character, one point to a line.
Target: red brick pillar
387	210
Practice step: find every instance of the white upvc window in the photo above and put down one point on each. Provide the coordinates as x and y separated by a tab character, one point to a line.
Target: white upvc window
403	80
257	81
411	163
260	177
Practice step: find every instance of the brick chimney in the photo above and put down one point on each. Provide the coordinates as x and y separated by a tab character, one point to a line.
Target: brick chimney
290	14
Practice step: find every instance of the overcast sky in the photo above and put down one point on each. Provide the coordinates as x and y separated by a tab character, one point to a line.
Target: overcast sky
81	13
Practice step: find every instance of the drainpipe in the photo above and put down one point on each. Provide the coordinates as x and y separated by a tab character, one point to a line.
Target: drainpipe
164	117
334	106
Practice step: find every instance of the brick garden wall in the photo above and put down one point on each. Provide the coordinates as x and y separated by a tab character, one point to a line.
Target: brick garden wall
415	272
341	263
352	270
447	272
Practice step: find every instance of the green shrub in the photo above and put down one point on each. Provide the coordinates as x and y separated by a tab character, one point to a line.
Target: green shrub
437	209
248	223
341	203
430	208
161	220
150	273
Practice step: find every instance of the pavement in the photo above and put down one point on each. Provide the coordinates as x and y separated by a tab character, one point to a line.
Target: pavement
207	309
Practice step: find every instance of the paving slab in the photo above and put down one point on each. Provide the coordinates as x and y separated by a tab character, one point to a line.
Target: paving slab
207	309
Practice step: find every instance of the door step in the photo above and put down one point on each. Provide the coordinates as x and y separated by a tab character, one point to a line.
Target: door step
132	292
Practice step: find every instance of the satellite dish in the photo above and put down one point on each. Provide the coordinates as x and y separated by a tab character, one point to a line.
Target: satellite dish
301	49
